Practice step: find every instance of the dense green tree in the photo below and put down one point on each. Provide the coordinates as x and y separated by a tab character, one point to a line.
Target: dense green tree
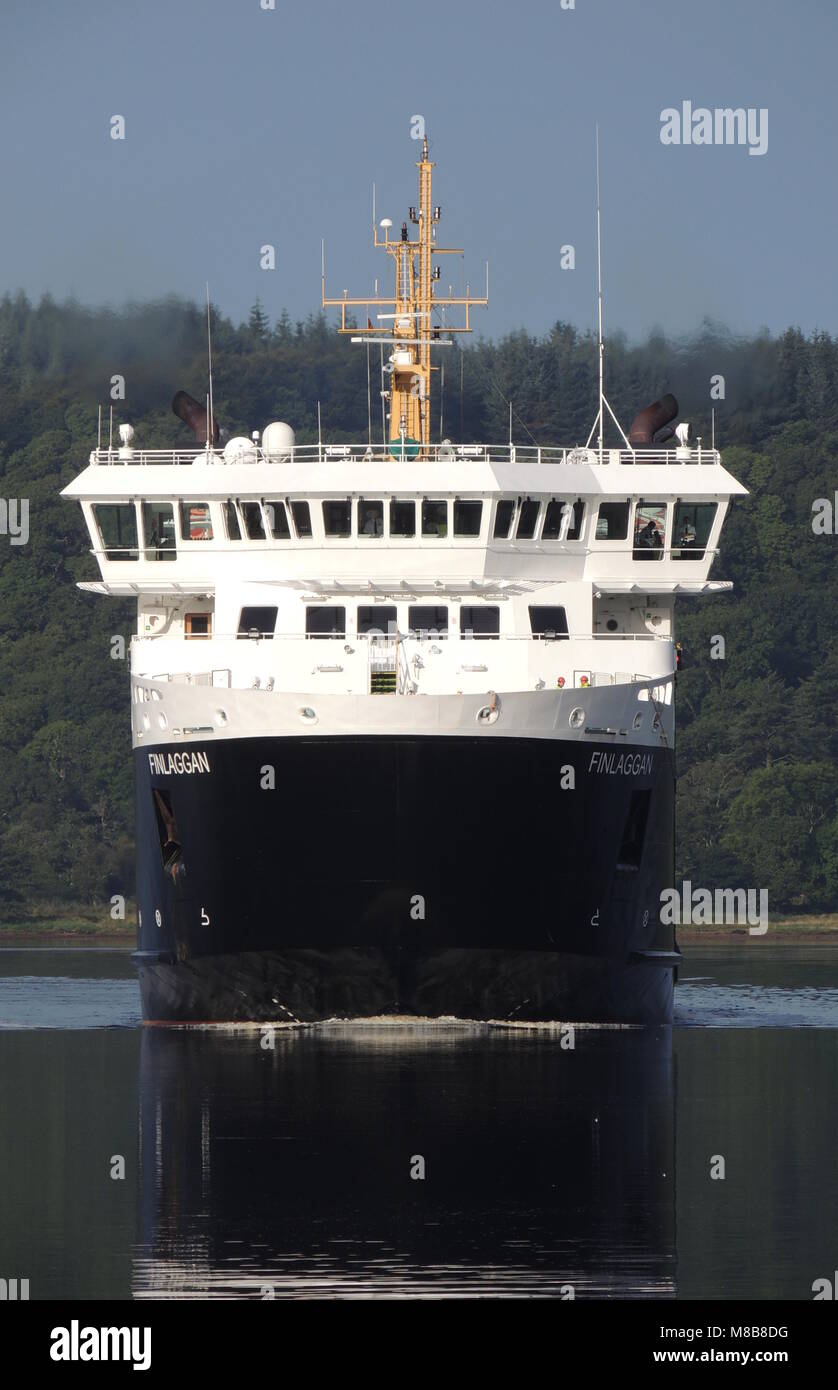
758	730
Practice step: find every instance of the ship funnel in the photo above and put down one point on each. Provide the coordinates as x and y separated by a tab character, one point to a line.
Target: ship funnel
653	420
194	415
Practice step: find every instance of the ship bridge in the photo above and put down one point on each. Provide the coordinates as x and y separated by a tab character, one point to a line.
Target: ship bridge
403	564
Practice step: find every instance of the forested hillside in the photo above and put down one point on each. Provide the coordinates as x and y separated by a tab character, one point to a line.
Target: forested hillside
758	731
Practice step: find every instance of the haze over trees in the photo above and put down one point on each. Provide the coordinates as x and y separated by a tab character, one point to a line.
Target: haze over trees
757	731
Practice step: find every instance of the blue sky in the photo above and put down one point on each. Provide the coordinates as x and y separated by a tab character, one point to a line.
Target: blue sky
247	126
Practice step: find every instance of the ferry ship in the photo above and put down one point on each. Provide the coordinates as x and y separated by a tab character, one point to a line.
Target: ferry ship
403	709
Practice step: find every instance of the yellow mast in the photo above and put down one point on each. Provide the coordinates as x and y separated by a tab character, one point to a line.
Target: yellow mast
413	332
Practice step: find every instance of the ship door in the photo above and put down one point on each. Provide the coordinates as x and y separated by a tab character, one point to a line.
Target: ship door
198	624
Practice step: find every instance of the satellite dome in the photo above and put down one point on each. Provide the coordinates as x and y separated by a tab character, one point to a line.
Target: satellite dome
278	441
239	450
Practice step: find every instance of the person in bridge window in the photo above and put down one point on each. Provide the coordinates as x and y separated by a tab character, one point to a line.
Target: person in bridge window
373	523
687	536
648	537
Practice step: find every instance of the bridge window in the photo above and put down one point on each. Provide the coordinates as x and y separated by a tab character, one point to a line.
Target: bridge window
195	521
612	521
257	622
231	521
377	618
504	512
253	523
548	621
428	621
467	518
337	518
325	621
554	517
371	517
649	531
434	518
402	518
278	520
479	622
117	523
691	532
159	531
302	519
527	518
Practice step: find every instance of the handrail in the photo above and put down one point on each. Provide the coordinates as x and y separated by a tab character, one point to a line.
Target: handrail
432	636
557	547
437	453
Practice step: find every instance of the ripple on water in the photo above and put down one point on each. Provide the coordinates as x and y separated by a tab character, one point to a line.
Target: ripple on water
55	1001
701	1005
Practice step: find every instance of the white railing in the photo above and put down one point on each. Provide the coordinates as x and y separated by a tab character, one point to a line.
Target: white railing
437	453
319	639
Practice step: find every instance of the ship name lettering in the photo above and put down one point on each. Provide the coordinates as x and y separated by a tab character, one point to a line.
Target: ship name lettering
622	764
162	763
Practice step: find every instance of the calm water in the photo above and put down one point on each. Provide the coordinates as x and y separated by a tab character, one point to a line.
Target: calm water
249	1169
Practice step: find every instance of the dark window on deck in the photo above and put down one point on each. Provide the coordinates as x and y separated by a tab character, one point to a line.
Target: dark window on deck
302	519
278	520
371	517
612	521
253	523
402	518
117	523
377	617
337	518
649	531
325	622
231	521
504	512
527	518
195	521
467	518
691	531
428	620
434	518
548	621
257	622
554	517
482	622
159	531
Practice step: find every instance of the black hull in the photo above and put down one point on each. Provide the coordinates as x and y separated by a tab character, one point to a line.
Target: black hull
427	876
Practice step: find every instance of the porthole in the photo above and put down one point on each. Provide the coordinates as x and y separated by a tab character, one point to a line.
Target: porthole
162	721
221	717
577	718
612	624
146	722
638	721
488	714
308	714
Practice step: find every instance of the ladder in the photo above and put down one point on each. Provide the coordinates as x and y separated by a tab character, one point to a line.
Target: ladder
383	653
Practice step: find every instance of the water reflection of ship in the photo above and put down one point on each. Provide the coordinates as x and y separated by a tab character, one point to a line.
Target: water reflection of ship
287	1171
